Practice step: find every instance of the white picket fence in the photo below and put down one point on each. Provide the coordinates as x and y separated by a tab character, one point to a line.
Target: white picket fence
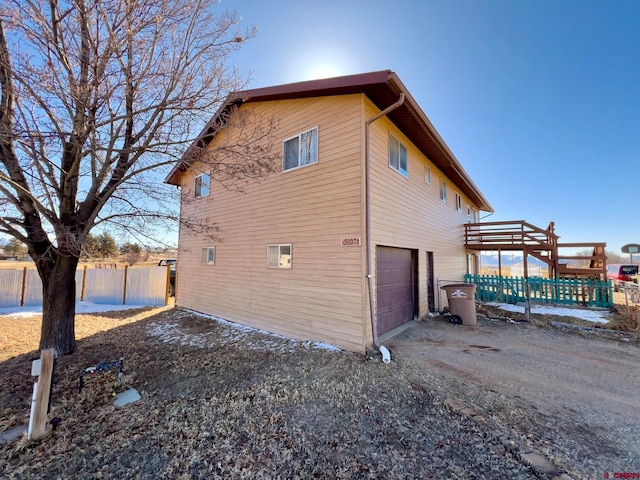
127	286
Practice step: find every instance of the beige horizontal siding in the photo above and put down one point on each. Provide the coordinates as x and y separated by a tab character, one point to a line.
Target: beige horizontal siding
323	296
408	212
312	208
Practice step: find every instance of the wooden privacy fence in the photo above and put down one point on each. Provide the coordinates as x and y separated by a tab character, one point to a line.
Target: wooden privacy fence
562	291
129	286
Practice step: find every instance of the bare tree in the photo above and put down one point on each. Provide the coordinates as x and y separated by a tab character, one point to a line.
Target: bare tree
132	253
98	96
612	257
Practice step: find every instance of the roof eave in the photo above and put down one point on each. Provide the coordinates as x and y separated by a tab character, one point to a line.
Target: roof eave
453	167
382	88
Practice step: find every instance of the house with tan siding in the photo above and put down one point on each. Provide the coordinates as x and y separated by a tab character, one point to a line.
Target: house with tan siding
345	243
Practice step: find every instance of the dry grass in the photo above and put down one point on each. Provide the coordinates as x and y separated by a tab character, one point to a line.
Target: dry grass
120	262
14	265
21	335
219	402
622	318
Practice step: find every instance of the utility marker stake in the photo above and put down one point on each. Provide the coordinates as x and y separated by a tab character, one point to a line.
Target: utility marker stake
41	395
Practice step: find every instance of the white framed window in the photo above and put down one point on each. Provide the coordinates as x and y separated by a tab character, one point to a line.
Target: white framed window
443	191
209	255
427	175
279	256
398	156
203	185
300	150
458	202
469	217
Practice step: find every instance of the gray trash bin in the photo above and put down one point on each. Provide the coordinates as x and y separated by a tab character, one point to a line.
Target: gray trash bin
462	302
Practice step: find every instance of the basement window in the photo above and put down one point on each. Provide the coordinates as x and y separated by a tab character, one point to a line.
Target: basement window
209	256
279	256
300	150
203	185
398	156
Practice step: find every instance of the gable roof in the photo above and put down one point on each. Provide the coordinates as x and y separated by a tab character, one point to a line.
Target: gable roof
382	88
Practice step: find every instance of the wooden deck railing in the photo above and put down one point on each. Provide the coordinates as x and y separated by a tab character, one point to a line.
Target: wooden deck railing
508	235
539	243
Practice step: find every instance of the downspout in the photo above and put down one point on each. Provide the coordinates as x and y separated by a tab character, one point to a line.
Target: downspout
386	357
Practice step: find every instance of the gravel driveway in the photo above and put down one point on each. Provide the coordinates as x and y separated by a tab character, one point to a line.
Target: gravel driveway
575	397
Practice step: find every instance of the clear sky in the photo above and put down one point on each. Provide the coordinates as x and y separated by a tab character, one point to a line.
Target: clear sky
538	99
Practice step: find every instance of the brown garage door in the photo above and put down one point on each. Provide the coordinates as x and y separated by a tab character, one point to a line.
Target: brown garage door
394	277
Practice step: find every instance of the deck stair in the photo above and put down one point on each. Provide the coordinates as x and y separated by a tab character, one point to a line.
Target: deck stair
518	235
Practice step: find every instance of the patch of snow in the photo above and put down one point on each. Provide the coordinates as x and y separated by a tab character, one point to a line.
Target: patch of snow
588	315
325	346
171	333
230	333
81	307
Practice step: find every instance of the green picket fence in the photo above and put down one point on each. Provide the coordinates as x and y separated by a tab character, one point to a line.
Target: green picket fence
563	291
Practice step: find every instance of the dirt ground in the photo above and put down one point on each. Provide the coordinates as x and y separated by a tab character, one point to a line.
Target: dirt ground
225	402
576	396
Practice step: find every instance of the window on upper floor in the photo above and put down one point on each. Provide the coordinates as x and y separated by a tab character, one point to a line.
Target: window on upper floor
279	256
203	185
209	256
458	202
300	150
398	156
427	175
443	191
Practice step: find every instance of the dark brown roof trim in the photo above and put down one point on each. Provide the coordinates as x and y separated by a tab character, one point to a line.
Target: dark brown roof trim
382	88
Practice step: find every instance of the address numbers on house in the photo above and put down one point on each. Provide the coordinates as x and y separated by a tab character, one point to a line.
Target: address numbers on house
350	242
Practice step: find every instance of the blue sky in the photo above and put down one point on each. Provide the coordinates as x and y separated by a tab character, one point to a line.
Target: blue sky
539	100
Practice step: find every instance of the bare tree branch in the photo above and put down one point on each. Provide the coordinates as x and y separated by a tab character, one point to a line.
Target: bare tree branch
99	98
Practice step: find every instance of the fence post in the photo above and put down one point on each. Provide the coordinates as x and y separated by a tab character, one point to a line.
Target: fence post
527	290
24	285
84	283
166	290
124	290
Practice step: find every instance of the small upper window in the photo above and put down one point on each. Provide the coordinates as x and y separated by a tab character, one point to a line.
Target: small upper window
443	191
427	175
209	256
458	202
279	256
203	185
398	156
301	150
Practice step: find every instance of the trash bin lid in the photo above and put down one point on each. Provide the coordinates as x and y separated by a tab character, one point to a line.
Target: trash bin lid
459	285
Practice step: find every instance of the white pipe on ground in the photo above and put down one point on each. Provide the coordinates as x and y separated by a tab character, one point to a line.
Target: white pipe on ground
33	409
386	355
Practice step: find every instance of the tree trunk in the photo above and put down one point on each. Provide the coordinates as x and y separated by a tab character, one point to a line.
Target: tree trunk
59	306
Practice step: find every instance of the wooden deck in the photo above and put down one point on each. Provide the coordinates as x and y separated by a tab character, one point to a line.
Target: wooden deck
518	235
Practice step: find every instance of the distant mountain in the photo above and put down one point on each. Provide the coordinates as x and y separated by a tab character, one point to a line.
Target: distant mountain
508	260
